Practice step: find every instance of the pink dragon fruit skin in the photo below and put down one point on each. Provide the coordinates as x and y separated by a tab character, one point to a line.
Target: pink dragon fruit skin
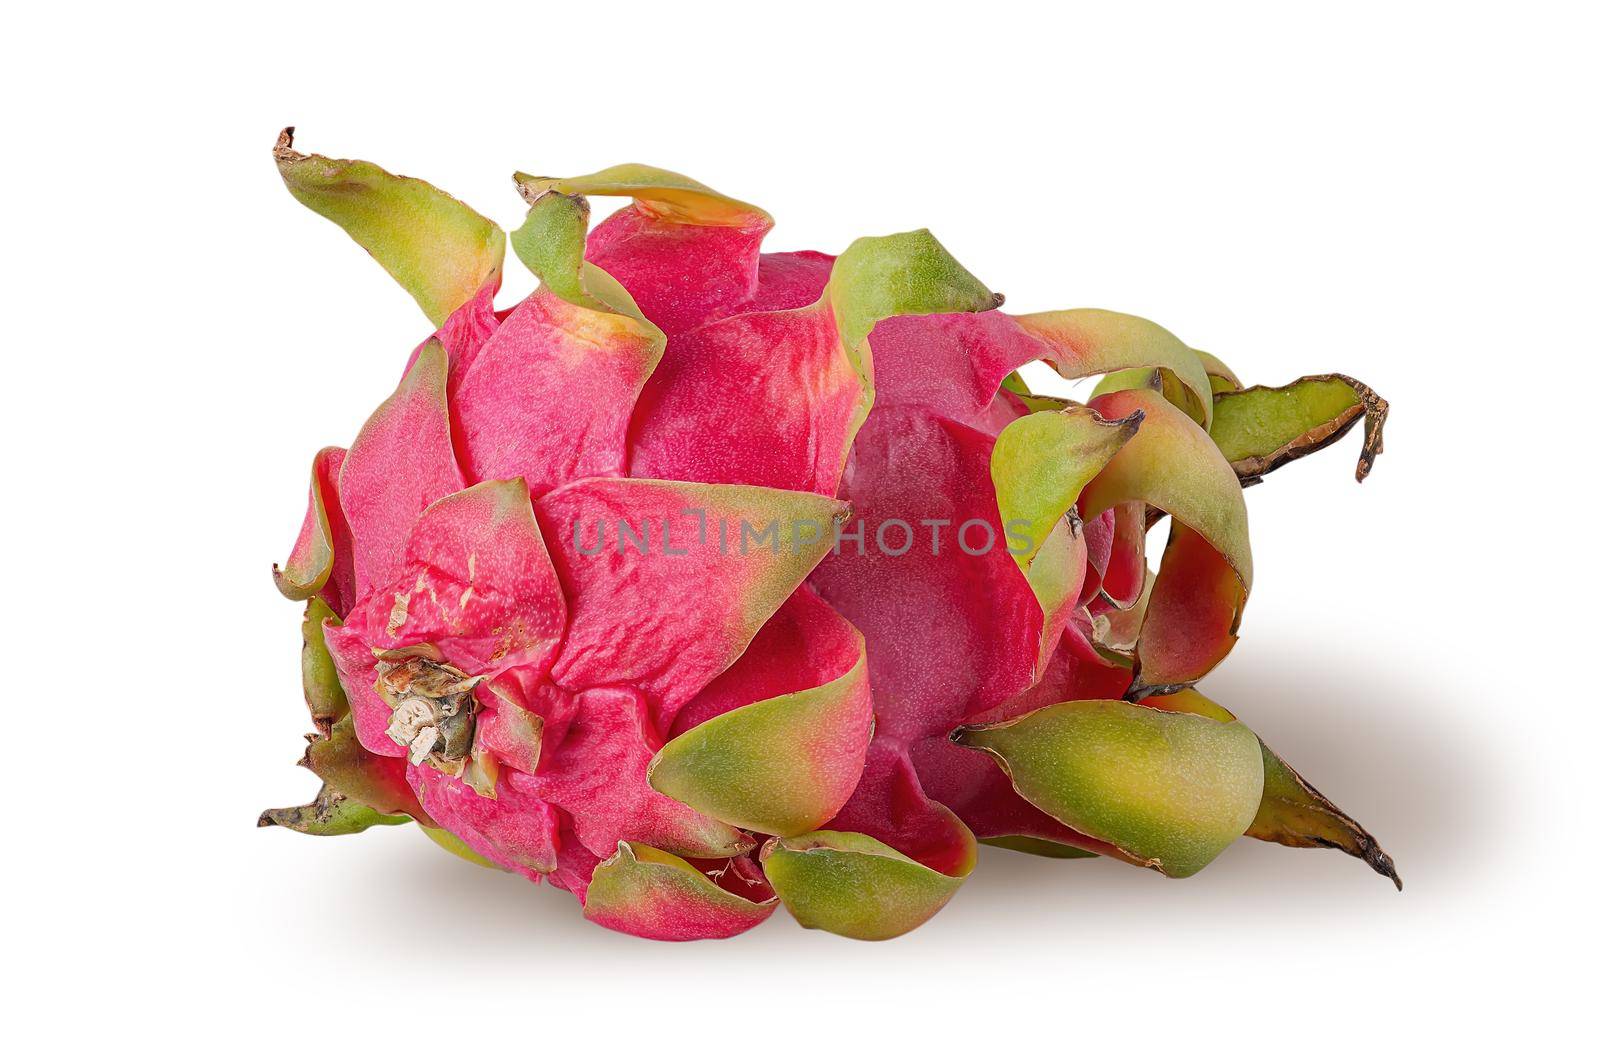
683	741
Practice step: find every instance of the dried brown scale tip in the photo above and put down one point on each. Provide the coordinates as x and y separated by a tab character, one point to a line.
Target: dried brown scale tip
1379	861
284	149
1377	410
532	194
1366	848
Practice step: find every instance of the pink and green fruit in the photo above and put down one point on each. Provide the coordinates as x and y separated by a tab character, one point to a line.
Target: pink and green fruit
601	595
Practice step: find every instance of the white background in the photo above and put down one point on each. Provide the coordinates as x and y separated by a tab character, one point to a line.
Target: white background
1403	193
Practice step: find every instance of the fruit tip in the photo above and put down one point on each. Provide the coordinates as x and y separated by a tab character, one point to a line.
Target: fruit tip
533	188
1379	861
283	149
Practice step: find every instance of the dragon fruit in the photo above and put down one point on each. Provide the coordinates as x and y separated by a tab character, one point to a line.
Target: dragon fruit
622	588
